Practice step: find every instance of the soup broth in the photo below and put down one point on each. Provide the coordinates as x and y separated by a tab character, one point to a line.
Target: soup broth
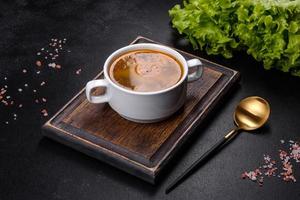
145	70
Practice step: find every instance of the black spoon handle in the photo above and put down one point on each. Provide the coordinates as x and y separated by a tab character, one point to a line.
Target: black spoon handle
201	160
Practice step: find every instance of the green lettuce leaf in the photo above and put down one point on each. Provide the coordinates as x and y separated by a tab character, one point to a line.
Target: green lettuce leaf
269	30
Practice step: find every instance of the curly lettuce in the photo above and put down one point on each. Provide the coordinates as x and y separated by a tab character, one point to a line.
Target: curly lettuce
269	30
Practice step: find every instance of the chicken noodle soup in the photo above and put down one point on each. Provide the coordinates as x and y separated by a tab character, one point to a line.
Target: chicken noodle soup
145	70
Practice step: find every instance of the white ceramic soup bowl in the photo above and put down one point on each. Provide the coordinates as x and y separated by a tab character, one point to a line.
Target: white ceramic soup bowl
144	107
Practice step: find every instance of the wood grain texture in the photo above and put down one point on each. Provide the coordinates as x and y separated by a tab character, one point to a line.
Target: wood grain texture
144	147
141	139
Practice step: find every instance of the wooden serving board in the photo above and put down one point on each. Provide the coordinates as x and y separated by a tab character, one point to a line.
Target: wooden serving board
139	149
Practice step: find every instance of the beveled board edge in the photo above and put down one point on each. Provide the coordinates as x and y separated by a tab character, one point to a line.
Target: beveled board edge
148	174
99	152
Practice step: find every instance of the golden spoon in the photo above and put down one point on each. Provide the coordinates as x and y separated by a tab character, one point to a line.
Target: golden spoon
250	114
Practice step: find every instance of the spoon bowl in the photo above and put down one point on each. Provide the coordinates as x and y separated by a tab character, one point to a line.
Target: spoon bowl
251	113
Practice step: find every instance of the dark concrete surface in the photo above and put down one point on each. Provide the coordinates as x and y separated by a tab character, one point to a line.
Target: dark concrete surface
33	167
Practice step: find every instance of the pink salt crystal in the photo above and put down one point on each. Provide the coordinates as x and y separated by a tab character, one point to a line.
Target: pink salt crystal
269	168
78	71
52	65
44	112
287	174
38	63
58	66
5	102
295	154
267	158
